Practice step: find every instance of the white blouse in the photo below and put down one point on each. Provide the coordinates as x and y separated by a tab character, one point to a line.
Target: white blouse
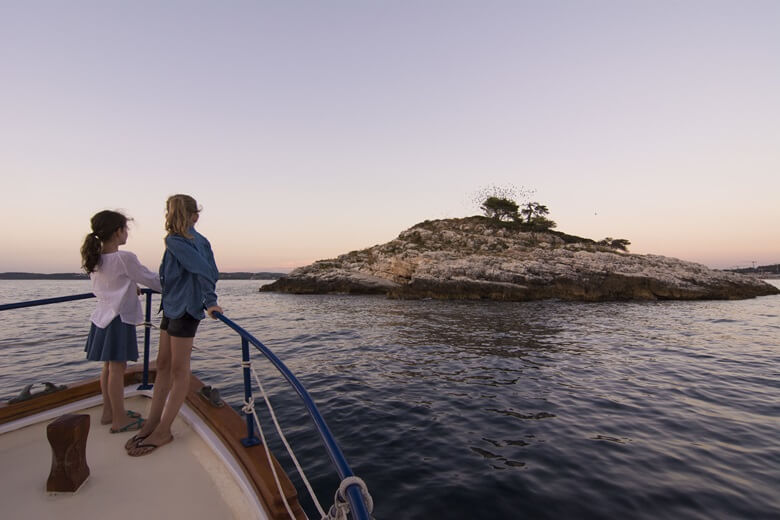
114	284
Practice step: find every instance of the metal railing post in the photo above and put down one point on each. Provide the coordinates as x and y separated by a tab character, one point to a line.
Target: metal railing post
147	334
251	439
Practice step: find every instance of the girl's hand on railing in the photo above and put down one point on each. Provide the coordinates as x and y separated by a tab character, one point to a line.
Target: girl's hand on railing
211	310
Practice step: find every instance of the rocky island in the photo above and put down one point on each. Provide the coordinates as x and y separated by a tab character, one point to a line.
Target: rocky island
484	258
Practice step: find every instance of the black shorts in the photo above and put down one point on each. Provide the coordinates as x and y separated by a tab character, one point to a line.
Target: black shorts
183	327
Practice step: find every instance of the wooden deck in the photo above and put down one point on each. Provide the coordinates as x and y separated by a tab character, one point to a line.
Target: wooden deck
187	478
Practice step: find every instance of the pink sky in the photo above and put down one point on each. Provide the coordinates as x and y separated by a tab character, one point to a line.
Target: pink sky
307	131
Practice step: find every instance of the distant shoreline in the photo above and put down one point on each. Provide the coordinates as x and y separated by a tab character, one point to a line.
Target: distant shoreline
82	276
255	276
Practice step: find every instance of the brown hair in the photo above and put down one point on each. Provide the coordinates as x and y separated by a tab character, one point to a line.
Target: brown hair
179	210
104	224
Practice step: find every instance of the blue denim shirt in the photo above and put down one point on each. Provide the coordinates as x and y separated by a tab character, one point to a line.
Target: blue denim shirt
188	275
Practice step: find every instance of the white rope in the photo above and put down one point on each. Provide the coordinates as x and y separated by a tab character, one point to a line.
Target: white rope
286	444
249	407
340	507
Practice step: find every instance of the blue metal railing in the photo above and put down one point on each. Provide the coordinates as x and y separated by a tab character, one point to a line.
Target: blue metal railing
354	495
46	301
84	296
145	385
353	492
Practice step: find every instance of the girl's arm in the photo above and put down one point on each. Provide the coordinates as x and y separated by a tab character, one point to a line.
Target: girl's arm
205	271
138	273
209	292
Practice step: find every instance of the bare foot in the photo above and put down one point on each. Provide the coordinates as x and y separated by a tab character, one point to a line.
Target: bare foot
147	429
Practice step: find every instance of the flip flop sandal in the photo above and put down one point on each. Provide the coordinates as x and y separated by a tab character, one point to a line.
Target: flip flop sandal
134	440
131	427
146	449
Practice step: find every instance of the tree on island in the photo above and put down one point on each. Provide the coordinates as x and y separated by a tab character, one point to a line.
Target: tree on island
499	208
541	223
615	243
500	203
532	210
534	215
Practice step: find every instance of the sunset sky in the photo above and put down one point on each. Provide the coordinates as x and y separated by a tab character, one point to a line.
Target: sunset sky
310	129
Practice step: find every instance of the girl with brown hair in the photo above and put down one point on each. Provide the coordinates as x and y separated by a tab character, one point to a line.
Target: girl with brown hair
112	338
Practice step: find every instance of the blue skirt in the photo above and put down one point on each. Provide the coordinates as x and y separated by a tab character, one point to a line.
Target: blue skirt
117	342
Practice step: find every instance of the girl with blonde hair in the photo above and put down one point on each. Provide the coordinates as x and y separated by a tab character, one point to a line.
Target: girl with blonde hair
188	274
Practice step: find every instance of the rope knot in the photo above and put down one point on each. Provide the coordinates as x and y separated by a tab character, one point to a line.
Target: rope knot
249	406
340	509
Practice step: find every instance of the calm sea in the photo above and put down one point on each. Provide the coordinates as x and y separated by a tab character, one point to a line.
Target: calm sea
482	410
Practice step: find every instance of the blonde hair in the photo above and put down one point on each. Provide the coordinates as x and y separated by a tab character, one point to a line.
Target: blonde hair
179	210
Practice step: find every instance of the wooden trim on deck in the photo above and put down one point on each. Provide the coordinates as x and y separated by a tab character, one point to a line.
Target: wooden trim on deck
74	392
231	428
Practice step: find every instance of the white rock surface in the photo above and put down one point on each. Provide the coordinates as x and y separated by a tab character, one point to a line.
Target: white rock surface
479	258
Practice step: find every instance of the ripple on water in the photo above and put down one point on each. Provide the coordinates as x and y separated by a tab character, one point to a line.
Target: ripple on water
498	410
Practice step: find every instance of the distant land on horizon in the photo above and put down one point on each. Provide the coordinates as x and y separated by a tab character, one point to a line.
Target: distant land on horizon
771	271
762	271
82	276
